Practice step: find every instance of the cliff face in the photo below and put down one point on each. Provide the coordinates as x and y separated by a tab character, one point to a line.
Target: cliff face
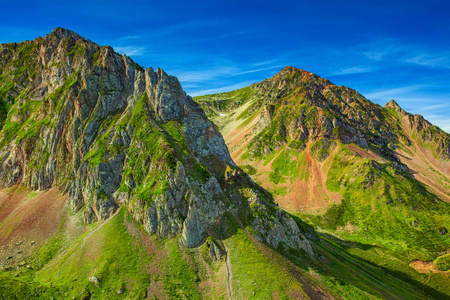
81	117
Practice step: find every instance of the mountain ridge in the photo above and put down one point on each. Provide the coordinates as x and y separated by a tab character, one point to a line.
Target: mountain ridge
294	141
157	206
117	134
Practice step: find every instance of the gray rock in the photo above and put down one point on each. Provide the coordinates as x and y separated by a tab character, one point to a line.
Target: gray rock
94	280
120	291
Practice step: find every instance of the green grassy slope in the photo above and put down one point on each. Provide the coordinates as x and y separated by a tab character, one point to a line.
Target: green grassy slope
372	180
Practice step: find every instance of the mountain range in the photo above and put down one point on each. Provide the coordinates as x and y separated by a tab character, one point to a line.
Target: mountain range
115	184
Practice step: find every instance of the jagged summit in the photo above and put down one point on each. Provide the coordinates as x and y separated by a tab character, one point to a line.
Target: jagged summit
61	33
394	105
80	117
292	73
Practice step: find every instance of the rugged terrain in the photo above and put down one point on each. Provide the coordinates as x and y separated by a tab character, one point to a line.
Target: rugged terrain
115	184
369	174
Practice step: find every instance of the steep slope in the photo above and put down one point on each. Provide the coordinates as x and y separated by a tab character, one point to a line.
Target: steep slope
106	133
370	174
156	207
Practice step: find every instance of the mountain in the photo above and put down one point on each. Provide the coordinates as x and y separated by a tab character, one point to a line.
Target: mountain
365	173
116	185
90	125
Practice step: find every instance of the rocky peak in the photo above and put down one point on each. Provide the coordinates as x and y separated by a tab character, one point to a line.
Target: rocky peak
110	133
394	105
61	33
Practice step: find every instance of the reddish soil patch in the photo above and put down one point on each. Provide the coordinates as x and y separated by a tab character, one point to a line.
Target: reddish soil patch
27	221
425	267
422	266
307	195
30	218
433	172
367	154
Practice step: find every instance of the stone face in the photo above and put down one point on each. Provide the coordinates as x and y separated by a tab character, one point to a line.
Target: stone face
110	133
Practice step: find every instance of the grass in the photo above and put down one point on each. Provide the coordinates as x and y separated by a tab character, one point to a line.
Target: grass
180	279
359	271
442	263
248	265
24	288
111	254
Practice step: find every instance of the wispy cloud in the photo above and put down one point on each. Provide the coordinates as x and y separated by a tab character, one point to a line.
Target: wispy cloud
131	50
434	61
439	120
131	37
416	99
394	50
393	93
257	70
351	70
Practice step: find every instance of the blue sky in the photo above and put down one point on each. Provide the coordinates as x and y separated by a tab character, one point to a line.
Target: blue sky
384	49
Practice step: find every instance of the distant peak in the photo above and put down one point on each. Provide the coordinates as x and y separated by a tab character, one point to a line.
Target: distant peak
61	33
289	70
392	104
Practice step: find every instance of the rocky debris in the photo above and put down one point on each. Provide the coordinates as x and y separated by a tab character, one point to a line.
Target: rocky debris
120	291
94	280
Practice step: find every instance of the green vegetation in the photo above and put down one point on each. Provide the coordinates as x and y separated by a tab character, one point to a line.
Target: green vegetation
384	207
24	288
357	270
181	281
249	261
442	263
107	251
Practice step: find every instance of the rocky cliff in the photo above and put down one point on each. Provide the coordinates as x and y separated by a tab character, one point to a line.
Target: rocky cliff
81	117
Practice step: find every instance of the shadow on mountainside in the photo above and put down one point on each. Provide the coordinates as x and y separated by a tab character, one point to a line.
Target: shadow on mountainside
374	272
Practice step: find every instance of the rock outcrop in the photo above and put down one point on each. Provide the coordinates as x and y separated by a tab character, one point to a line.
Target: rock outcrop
109	133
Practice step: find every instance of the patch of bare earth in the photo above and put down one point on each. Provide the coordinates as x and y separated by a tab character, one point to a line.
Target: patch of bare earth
308	195
35	218
27	221
425	267
367	154
433	172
